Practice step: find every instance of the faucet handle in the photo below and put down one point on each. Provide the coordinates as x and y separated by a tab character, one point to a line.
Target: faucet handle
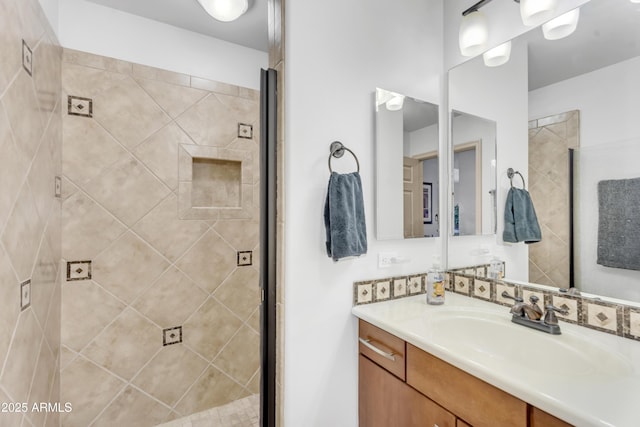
533	299
505	294
550	315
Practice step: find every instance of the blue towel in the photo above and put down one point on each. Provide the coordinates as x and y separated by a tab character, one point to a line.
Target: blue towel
344	216
520	220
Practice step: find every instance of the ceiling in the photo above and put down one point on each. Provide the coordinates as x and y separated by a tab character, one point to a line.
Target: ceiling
608	32
250	30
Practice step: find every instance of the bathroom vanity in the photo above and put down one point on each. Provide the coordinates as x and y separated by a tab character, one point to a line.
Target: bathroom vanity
465	363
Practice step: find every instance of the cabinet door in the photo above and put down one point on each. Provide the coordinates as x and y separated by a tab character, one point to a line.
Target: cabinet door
539	418
386	401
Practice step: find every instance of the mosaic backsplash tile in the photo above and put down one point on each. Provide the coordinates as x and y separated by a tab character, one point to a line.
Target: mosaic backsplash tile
593	313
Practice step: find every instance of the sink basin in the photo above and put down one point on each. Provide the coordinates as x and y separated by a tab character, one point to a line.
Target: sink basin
493	340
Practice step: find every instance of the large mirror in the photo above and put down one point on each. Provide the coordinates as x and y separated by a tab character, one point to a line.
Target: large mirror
407	184
578	150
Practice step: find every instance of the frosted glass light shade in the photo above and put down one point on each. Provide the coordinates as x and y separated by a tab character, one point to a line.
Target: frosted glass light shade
562	26
535	12
225	10
474	33
395	103
498	55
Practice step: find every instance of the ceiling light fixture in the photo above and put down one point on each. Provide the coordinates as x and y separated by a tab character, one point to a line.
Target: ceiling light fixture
498	55
225	10
562	26
474	33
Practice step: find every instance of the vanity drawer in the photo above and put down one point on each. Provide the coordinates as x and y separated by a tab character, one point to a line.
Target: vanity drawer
475	401
383	348
538	418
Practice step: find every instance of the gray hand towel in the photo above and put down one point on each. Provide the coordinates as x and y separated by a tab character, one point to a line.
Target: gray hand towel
344	216
520	220
619	223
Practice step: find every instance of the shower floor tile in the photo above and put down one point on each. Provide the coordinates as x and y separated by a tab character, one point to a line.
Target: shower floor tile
241	413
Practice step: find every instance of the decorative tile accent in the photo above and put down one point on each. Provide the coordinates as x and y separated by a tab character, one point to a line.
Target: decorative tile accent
481	271
25	295
383	290
57	187
78	270
462	284
245	131
172	336
415	284
543	299
511	290
632	323
567	303
364	293
79	106
399	287
470	271
482	289
27	58
245	258
602	316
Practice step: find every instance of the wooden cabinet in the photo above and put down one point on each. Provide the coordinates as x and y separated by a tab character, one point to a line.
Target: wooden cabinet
414	388
386	401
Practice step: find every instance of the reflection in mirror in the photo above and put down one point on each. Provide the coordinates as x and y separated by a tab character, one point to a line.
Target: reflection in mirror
474	174
582	95
407	186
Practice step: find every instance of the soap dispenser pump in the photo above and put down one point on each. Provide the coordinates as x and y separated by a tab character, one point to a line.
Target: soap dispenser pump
435	283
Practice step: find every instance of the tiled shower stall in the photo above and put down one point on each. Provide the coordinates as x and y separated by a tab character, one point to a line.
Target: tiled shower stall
133	294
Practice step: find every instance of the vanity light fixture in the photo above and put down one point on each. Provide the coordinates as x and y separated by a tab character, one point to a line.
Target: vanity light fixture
498	55
474	33
225	10
535	12
395	103
562	26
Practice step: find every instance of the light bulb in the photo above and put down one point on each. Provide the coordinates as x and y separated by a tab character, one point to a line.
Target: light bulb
225	10
498	55
535	12
562	26
474	33
395	103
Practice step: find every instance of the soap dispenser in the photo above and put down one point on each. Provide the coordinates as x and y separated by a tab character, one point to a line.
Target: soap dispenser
435	283
496	268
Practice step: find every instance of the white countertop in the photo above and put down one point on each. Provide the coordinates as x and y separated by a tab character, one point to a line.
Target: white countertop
585	377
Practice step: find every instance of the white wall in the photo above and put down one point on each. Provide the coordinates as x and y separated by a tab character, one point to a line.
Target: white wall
609	109
337	53
97	29
431	173
390	142
50	8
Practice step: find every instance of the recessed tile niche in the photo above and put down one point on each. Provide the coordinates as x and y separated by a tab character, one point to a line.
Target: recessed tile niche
214	183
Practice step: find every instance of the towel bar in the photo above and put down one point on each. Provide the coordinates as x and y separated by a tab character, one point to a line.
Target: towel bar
337	149
511	173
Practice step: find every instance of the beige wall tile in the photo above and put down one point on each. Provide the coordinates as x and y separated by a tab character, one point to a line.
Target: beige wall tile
9	419
41	179
128	113
22	109
171	299
21	360
243	235
87	228
240	292
209	261
170	373
11	42
146	72
88	149
241	357
132	408
96	61
126	345
212	316
43	282
168	234
244	110
47	74
89	389
210	122
173	99
88	82
127	190
213	86
42	381
86	310
212	389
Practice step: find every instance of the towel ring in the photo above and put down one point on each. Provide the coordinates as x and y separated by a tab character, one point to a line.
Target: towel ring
511	173
337	149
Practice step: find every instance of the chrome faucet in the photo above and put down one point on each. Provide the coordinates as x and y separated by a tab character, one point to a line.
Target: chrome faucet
531	315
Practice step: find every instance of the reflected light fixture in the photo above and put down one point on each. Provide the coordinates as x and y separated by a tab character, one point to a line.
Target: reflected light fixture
474	33
395	103
225	10
498	55
562	26
535	12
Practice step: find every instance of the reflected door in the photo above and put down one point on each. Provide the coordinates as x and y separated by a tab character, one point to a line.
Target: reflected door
412	197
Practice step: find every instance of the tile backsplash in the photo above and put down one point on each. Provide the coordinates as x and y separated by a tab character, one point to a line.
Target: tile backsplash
593	313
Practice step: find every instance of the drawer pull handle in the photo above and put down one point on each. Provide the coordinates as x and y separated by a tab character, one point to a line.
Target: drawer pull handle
367	343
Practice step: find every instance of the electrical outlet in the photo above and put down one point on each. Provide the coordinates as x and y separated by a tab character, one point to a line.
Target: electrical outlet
385	259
